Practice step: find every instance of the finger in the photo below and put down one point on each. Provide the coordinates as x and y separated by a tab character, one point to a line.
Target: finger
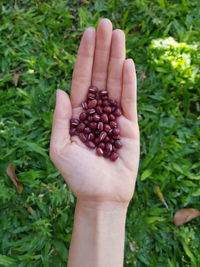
60	129
102	53
129	91
82	74
114	83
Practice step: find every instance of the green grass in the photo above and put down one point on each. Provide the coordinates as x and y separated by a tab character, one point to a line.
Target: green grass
39	41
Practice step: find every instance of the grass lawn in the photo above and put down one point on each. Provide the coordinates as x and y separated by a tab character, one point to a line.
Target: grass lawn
38	45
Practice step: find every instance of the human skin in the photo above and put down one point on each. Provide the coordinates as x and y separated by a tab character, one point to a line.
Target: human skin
103	188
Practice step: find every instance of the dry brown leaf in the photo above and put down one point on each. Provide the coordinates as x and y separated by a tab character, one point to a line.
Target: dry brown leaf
11	173
16	79
183	216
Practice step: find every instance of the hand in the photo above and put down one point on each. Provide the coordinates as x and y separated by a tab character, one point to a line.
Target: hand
100	62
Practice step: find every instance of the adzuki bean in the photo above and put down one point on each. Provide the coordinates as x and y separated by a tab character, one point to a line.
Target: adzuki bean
97	125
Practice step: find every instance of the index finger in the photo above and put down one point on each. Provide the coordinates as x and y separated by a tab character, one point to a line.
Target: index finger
82	74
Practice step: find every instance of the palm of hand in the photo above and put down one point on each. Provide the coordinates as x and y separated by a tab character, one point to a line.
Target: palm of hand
91	177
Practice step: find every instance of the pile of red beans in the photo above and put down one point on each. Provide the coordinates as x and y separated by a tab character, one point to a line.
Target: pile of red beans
97	125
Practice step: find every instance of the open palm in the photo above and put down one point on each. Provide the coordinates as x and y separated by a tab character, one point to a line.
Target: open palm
100	62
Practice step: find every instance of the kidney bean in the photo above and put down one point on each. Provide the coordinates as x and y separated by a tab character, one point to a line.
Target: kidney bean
74	122
92	103
97	132
80	127
100	126
90	118
90	144
99	151
82	116
93	125
104	118
96	117
114	156
83	137
102	135
118	144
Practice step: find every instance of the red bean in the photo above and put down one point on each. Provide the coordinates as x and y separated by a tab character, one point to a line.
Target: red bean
105	103
93	89
99	102
107	127
116	137
86	122
84	105
106	154
99	110
102	145
80	127
97	132
109	147
99	151
93	125
87	130
100	126
82	137
96	140
74	122
72	131
91	136
116	131
82	116
105	97
110	132
90	118
91	96
114	156
104	118
111	117
103	92
106	139
96	117
102	135
118	144
113	124
90	144
92	103
118	112
107	109
113	103
91	111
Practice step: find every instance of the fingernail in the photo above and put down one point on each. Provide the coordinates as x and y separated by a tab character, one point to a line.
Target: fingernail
90	31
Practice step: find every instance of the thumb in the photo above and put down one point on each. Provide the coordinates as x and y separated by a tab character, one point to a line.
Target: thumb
60	128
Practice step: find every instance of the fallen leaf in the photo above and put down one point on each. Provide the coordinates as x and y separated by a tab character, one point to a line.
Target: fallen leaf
160	195
183	216
16	79
11	173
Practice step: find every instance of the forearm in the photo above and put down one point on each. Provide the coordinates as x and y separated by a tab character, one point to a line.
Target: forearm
98	235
